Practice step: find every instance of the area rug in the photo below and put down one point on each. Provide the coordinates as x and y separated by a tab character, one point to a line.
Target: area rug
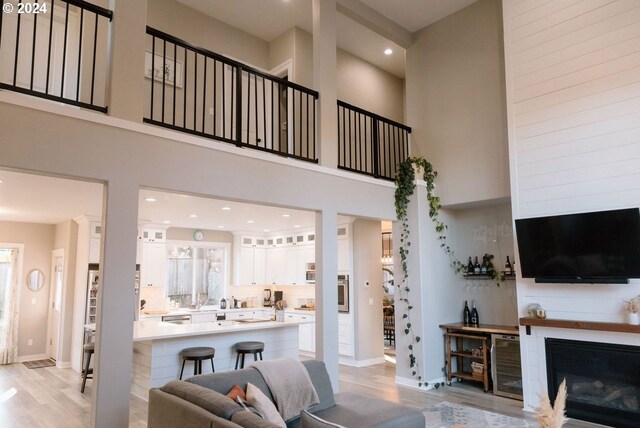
450	415
37	364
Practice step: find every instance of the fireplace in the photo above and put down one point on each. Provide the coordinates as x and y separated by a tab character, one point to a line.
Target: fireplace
603	380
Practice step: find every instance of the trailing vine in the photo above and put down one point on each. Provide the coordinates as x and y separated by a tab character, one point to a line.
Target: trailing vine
405	186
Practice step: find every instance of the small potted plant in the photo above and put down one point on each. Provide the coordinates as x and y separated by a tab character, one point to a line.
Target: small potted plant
632	307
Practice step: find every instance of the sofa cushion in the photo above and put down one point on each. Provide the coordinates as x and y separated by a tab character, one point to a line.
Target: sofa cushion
248	419
322	383
356	410
169	411
210	400
309	420
222	382
236	392
264	405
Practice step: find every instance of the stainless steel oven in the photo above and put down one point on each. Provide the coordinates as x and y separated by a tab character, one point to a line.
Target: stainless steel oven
343	293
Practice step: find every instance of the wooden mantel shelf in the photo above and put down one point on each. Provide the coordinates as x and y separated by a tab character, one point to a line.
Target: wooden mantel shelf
581	325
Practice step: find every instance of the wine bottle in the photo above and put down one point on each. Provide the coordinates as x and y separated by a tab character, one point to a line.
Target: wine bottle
508	269
485	264
475	320
476	267
466	314
470	267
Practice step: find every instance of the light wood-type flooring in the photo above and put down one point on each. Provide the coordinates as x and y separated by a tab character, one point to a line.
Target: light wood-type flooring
50	397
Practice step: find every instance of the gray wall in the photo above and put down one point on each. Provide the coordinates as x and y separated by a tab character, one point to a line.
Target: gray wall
38	240
367	267
456	103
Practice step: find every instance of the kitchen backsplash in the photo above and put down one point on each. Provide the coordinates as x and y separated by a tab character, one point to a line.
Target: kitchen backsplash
291	293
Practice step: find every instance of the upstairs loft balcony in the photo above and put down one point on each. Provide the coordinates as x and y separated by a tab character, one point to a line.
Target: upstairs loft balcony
63	55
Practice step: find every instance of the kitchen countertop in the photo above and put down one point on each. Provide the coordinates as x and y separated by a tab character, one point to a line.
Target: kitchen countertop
184	311
145	330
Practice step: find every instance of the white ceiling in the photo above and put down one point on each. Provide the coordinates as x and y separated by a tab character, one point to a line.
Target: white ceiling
39	199
268	19
416	14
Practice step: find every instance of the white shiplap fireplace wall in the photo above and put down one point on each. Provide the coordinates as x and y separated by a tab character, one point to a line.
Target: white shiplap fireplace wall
573	102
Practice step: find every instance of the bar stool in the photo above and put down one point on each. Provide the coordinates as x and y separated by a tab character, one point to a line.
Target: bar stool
243	348
197	355
89	349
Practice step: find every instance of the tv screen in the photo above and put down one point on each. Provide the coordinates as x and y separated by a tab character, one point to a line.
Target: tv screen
589	247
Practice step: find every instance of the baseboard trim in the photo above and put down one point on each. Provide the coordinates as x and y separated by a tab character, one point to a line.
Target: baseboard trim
63	365
363	363
412	383
32	357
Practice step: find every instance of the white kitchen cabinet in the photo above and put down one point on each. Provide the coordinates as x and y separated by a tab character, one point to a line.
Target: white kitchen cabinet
94	250
275	266
154	235
252	265
306	332
345	335
309	255
343	255
203	317
153	266
295	265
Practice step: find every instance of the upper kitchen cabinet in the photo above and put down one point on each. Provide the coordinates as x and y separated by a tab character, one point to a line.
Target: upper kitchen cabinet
295	260
344	249
252	261
153	266
275	266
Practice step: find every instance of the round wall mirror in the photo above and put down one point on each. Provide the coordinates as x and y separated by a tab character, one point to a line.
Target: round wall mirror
35	280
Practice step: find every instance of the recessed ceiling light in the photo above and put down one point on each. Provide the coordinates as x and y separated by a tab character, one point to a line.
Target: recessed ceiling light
221	227
388	51
226	208
286	215
250	221
1	181
150	199
296	225
167	222
193	215
266	230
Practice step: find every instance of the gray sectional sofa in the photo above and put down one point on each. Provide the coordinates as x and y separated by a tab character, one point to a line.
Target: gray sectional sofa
200	402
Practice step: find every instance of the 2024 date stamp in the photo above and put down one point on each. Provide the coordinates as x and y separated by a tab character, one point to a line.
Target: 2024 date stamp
25	8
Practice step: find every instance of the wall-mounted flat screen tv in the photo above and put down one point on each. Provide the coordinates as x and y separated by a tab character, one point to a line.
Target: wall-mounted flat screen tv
595	247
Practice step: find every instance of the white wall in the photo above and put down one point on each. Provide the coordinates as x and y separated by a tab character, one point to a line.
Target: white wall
573	92
66	238
455	103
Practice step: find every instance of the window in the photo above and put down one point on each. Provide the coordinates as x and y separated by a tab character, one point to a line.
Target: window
197	274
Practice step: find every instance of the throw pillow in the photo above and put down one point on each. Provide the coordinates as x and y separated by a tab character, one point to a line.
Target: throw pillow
263	405
309	420
236	392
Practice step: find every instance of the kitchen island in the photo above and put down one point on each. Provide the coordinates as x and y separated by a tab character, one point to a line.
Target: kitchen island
157	346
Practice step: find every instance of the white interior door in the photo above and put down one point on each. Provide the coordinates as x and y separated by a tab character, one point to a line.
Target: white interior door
55	302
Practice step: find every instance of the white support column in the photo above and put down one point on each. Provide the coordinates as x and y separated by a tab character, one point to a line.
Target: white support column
114	320
324	79
126	73
419	226
327	293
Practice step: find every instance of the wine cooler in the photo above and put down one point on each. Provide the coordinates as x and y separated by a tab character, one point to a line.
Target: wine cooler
506	368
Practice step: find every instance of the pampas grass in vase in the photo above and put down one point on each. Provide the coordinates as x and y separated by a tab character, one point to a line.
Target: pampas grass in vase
553	417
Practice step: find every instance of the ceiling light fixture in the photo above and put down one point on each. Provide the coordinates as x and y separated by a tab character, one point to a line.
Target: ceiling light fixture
286	215
388	51
296	225
193	215
226	208
265	230
220	227
1	181
167	222
150	199
250	221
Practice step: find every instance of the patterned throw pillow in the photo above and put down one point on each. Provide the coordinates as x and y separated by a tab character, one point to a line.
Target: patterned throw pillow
309	420
236	392
261	402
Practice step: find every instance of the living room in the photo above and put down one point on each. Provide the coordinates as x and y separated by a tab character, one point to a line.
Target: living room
564	141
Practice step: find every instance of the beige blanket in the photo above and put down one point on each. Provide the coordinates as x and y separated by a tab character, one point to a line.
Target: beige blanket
290	385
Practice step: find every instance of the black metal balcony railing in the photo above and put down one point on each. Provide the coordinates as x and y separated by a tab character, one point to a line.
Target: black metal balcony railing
200	92
370	144
59	53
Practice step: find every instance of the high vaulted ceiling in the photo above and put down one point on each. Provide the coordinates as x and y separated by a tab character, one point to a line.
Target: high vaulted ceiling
268	19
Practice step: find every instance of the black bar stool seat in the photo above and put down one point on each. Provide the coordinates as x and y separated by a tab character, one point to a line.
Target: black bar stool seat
89	349
243	348
196	355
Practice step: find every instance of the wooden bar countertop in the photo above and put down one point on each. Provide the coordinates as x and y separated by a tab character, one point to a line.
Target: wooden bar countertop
482	328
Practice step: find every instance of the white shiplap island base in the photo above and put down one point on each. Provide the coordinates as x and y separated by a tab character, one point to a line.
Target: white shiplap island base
157	346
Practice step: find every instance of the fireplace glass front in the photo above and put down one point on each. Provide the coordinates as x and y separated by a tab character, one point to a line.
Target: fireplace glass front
603	380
